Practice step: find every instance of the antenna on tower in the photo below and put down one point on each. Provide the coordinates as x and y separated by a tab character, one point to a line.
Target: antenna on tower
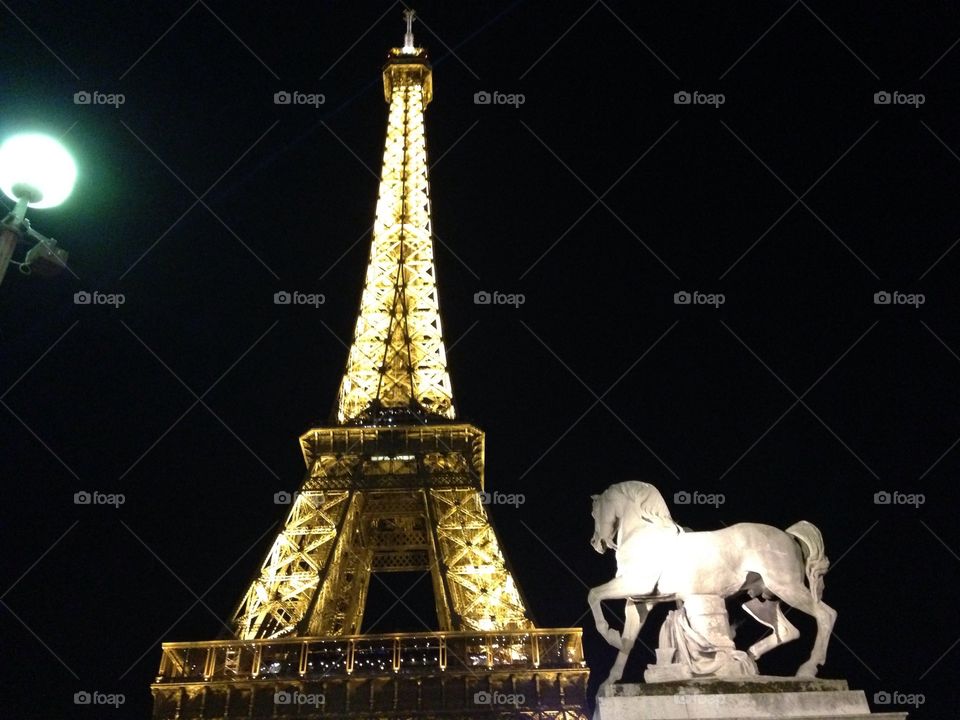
408	48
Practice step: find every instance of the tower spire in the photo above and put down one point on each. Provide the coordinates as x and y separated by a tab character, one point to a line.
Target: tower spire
408	47
397	367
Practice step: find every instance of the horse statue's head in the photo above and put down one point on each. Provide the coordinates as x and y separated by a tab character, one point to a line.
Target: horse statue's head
610	506
604	523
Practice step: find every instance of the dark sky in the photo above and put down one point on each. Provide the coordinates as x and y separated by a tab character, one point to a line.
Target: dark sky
599	198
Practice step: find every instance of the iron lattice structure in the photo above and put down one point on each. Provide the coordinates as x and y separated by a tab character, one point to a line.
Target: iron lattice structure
395	485
382	499
397	356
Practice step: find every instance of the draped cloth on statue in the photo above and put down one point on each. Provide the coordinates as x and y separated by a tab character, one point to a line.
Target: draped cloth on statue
696	640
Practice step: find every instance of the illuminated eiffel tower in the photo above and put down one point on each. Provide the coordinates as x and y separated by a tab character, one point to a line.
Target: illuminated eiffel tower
394	485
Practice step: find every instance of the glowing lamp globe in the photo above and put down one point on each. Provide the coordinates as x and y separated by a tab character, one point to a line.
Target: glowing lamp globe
36	168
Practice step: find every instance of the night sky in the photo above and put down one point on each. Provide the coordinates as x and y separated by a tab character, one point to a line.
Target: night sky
598	199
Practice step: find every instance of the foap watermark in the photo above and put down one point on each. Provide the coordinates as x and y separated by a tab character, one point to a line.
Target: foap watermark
284	497
295	697
685	497
885	697
295	97
95	97
495	97
699	298
895	497
95	697
896	297
299	298
498	498
684	699
483	297
896	97
84	497
696	97
84	297
498	698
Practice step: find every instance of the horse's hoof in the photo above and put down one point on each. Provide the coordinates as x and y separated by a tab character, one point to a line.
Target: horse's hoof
613	637
807	670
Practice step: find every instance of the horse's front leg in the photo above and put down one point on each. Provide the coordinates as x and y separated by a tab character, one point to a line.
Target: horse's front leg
634	617
608	591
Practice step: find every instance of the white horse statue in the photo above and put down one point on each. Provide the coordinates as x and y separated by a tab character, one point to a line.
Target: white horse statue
658	561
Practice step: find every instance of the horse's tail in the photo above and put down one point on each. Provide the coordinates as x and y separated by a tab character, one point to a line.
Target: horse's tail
815	559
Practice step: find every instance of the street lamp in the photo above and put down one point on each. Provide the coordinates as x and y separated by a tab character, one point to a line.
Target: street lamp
35	171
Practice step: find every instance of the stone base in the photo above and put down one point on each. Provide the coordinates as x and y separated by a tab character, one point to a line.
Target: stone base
757	697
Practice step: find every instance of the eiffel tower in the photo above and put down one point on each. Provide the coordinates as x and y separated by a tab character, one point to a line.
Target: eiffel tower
394	484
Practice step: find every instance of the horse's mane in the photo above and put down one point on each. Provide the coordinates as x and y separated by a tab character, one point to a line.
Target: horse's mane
649	500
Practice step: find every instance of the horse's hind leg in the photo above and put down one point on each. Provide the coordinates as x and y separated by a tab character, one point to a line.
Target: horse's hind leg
769	613
826	616
799	597
633	621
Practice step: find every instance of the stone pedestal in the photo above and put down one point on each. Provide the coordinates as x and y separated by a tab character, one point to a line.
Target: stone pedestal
756	697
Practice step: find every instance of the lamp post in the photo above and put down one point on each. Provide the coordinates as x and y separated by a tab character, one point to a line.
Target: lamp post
35	171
